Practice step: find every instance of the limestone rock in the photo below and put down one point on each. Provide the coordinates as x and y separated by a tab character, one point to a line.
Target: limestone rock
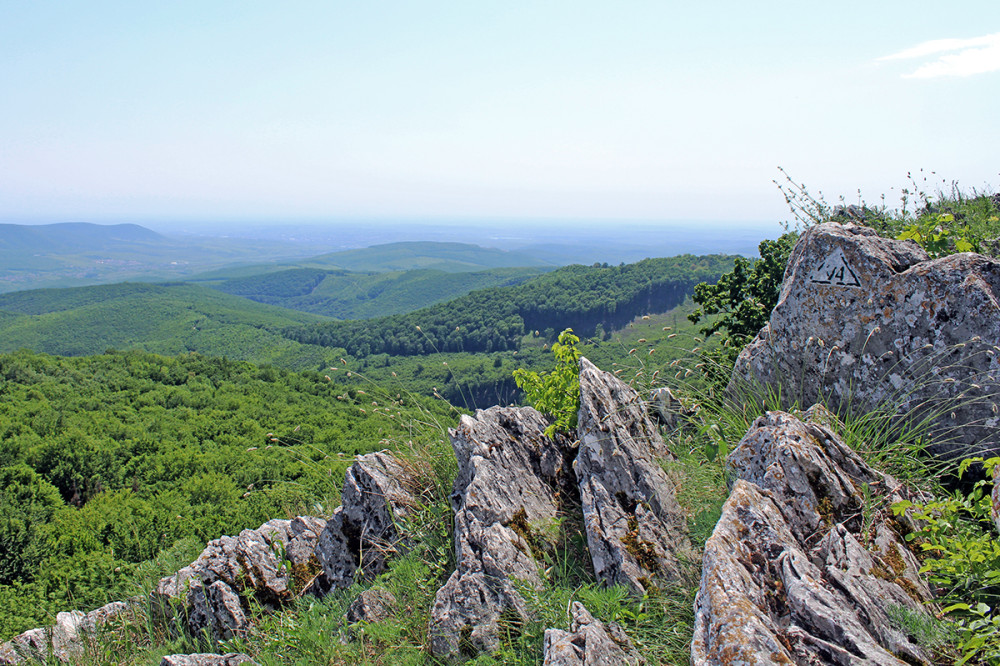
510	477
795	572
636	531
256	562
378	495
667	408
371	606
589	643
66	640
204	659
864	321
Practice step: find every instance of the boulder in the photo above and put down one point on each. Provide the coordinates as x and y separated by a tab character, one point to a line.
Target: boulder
66	641
804	564
865	322
636	531
379	494
205	659
506	496
589	642
271	563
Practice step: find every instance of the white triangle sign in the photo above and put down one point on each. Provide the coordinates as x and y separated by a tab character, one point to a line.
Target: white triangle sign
835	271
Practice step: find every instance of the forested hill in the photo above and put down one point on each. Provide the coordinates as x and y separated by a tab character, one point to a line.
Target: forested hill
166	318
589	299
350	295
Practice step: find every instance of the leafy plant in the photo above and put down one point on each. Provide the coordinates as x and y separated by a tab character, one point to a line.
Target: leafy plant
744	297
557	392
935	234
963	561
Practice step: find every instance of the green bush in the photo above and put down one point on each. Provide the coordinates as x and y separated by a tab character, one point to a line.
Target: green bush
556	393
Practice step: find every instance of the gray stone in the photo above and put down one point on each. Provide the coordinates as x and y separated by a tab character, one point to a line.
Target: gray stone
589	642
215	610
863	322
507	493
67	640
668	409
205	659
798	569
371	606
272	563
636	531
379	494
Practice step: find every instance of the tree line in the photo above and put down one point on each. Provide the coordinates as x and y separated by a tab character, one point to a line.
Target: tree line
589	299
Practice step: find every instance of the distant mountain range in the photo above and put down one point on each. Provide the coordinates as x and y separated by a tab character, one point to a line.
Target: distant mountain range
79	254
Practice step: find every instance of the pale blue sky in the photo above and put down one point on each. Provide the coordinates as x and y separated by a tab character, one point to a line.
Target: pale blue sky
474	109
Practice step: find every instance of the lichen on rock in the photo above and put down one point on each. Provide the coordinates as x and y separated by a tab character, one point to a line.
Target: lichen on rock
789	575
864	322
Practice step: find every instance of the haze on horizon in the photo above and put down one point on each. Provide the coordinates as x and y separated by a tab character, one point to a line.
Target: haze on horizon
645	110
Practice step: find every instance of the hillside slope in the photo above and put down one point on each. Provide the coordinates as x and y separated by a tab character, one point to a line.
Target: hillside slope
352	295
588	299
163	318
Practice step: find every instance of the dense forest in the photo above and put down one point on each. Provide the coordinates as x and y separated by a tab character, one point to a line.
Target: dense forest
592	300
351	295
110	461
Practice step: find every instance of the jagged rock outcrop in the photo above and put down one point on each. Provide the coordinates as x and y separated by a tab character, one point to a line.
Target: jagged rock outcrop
589	642
66	641
510	478
800	569
379	493
253	563
205	659
284	558
636	531
864	321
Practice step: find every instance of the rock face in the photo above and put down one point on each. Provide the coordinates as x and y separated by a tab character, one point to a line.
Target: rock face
800	569
67	640
378	495
205	659
253	563
636	531
589	642
507	493
864	321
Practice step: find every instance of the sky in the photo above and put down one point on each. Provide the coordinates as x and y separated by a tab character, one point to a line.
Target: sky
487	110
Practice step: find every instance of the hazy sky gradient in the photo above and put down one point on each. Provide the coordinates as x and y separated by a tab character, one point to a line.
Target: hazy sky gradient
472	109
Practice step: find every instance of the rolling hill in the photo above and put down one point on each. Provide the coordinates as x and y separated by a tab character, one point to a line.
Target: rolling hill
167	318
351	295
